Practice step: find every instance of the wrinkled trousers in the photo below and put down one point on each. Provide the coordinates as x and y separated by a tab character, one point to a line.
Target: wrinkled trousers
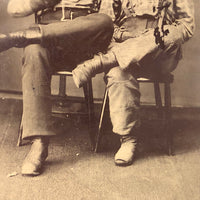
122	85
64	44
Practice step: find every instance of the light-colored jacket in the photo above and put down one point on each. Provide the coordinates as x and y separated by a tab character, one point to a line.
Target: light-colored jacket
180	12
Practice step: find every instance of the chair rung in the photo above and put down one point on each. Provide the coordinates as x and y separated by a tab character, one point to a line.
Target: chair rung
143	80
68	113
66	73
162	79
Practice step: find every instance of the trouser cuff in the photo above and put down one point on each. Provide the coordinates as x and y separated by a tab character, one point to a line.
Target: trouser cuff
30	135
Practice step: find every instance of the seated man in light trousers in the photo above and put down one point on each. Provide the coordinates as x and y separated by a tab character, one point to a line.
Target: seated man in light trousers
136	50
133	49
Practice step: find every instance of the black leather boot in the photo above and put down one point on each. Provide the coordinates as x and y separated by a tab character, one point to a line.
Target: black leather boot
88	69
20	39
34	160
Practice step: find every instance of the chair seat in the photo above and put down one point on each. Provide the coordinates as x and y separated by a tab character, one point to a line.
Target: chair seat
169	78
66	73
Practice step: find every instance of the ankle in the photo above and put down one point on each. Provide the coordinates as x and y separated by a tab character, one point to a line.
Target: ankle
40	139
128	138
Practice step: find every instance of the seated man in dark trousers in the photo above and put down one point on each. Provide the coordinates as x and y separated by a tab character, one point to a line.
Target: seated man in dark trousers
67	34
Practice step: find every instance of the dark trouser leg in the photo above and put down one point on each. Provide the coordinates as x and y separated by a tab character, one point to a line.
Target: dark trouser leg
36	78
37	71
90	33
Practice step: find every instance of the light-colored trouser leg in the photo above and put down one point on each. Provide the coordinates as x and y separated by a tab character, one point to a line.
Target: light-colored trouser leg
124	100
144	50
123	89
160	62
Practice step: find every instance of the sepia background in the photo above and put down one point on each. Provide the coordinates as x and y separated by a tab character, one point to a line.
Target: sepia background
184	90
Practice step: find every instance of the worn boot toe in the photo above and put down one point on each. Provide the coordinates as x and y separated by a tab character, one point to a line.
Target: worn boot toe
34	161
80	75
125	154
31	169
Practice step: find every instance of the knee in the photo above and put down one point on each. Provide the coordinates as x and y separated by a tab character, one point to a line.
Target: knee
116	74
122	81
35	55
35	58
34	51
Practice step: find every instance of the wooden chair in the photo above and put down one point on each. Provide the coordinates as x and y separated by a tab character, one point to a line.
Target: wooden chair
163	110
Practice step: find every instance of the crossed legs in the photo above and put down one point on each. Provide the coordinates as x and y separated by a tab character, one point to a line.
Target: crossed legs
56	43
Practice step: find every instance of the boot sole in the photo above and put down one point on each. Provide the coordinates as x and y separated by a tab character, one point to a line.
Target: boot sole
31	174
123	164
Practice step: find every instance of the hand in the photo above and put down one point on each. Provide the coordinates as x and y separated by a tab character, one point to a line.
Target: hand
23	8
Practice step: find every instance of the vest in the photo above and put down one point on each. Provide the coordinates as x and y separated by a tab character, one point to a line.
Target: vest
79	4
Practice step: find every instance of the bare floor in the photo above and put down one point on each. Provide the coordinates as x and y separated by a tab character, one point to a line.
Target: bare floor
73	172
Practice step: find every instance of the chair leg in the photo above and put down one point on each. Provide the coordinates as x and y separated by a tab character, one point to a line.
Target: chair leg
62	85
19	141
158	99
62	89
99	133
168	118
88	93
